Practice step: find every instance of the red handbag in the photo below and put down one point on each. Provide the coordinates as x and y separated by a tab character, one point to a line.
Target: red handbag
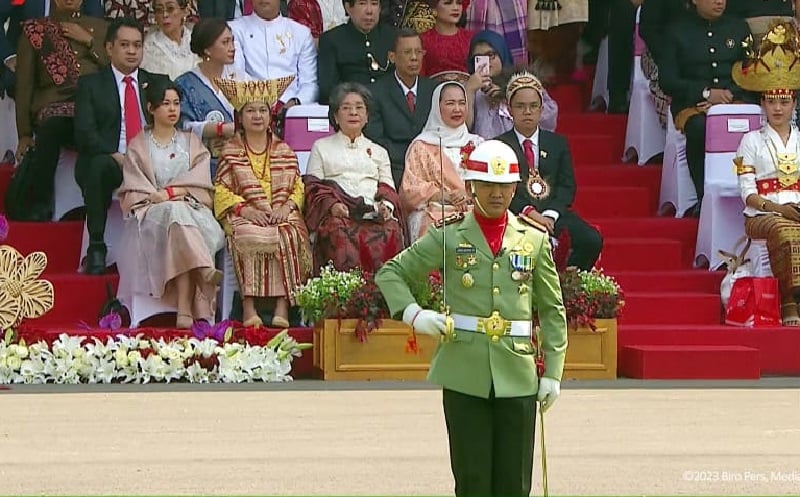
754	302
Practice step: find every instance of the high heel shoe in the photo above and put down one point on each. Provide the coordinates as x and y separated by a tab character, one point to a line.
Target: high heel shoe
253	322
213	276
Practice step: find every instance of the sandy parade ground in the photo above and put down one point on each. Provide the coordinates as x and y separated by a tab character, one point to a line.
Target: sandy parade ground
315	438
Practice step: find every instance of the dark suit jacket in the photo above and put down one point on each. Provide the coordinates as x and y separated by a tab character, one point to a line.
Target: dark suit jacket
343	57
654	19
33	9
555	167
699	54
98	112
391	124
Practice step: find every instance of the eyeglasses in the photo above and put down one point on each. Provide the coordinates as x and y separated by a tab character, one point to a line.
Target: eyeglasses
161	11
411	51
525	107
492	55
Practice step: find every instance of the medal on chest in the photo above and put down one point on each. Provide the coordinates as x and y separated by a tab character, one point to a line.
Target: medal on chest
537	186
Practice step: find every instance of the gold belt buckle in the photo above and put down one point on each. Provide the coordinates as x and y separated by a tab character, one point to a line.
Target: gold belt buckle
494	326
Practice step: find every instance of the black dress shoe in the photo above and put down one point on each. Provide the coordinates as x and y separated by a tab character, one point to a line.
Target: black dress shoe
693	211
95	263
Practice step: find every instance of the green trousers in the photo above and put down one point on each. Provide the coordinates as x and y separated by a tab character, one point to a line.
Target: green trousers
491	443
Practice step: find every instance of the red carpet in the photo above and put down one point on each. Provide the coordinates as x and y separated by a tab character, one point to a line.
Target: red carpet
671	323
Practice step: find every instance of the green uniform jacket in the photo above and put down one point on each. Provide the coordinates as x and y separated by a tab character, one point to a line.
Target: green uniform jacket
471	363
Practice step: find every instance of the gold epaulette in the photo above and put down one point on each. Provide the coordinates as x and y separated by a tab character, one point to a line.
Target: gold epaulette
539	226
740	168
452	218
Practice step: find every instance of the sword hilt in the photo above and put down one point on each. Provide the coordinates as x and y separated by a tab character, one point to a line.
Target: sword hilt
449	326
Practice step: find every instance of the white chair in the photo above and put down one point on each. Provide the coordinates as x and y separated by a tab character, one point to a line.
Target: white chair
8	137
600	84
721	223
305	124
113	234
67	194
759	259
644	136
141	307
677	189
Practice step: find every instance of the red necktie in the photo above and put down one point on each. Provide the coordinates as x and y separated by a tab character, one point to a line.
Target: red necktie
529	156
133	121
411	100
247	7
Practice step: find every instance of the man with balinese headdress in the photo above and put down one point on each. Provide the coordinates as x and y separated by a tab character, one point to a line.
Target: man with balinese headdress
695	71
547	189
258	198
768	160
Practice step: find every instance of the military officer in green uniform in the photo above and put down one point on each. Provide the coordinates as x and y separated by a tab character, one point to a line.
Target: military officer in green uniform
695	70
495	268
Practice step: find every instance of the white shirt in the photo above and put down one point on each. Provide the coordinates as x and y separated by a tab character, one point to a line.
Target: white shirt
756	151
123	142
552	214
405	88
277	48
356	167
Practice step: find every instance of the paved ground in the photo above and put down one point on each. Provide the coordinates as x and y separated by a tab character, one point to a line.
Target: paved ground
313	438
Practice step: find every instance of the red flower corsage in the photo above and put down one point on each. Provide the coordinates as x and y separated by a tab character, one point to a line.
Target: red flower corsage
369	152
466	150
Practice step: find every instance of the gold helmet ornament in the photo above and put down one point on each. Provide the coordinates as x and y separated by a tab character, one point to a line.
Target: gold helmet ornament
772	68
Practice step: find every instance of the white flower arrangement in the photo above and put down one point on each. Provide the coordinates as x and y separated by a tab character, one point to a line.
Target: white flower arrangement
136	359
326	295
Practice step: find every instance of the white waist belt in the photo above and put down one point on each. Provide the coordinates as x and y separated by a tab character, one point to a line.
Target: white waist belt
479	325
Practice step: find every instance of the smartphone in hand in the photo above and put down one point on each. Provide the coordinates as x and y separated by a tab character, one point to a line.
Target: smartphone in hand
482	65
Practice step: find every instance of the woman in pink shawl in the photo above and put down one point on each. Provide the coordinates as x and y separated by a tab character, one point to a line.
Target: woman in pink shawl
171	235
432	181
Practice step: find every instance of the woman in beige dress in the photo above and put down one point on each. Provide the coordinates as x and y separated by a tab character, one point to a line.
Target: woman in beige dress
171	236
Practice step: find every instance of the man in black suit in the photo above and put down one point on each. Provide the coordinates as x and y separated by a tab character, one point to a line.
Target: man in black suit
547	189
109	112
695	70
355	52
401	104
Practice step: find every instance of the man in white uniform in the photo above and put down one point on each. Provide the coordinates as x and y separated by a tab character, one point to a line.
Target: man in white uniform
270	46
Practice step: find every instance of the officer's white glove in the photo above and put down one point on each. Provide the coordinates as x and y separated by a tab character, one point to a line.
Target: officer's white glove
423	320
549	390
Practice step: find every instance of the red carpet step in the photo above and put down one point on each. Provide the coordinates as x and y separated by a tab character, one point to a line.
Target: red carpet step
688	280
649	308
692	362
641	254
60	241
614	201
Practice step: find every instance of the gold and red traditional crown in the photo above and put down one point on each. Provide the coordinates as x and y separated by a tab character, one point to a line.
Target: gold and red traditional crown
241	93
774	67
522	80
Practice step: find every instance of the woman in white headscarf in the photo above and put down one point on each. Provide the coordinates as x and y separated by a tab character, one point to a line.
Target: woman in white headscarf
432	182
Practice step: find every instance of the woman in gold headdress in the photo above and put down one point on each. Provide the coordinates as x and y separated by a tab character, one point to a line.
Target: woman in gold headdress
768	162
258	197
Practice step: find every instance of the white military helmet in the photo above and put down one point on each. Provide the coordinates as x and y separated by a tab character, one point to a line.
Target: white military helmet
493	162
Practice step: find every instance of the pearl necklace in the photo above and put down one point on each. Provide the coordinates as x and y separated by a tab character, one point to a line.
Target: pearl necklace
166	145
